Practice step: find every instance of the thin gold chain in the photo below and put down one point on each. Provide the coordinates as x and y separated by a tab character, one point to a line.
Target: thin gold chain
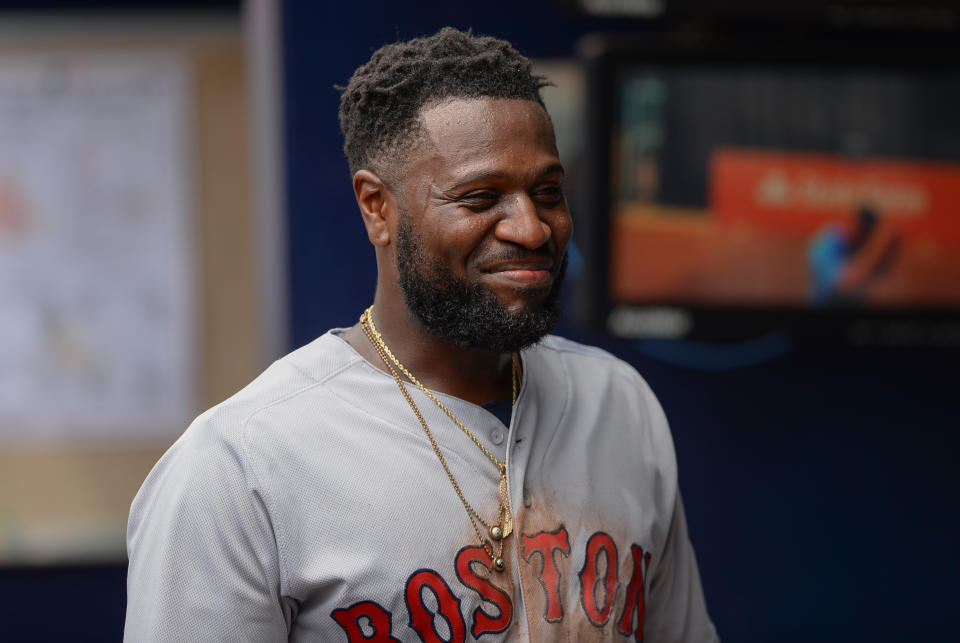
515	375
370	329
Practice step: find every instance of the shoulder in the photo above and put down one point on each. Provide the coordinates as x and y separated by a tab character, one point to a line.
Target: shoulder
225	463
591	387
222	445
299	374
295	374
558	344
588	365
582	355
587	374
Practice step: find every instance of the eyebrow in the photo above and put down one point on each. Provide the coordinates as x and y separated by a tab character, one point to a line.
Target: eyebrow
481	175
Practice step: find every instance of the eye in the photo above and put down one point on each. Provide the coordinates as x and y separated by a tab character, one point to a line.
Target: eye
548	194
479	200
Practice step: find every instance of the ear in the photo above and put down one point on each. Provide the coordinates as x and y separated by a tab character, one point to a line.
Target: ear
376	203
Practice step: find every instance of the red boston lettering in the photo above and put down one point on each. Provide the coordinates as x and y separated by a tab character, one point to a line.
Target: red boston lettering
598	611
379	622
422	619
546	543
636	594
484	623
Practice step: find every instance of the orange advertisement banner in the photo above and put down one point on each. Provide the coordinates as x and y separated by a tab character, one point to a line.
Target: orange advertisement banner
798	193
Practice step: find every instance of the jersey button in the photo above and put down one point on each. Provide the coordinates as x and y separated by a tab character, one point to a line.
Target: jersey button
497	435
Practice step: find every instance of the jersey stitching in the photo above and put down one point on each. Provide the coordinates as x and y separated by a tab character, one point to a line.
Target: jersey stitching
300	369
250	472
250	469
563	345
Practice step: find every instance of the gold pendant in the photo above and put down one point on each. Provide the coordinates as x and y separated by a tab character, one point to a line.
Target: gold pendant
507	516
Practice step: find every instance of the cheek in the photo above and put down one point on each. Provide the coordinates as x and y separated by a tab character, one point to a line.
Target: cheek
561	226
464	238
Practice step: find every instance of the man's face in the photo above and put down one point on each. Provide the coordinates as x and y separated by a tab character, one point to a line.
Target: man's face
483	227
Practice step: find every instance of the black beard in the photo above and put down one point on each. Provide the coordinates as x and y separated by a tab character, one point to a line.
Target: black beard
466	314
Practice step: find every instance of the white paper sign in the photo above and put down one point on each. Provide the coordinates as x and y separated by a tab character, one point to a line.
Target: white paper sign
96	298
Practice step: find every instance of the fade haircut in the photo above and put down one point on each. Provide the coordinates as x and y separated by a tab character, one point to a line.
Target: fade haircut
381	105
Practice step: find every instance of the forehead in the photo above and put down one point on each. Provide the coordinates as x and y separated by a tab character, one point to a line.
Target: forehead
499	135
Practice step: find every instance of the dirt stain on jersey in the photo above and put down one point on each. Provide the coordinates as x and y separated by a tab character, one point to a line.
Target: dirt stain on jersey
544	522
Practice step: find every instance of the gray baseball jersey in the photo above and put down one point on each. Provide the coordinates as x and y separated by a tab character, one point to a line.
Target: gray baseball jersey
311	506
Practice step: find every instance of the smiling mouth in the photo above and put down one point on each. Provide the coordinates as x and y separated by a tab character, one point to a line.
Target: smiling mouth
523	275
532	271
526	277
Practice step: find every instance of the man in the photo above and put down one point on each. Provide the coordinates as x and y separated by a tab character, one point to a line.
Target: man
442	470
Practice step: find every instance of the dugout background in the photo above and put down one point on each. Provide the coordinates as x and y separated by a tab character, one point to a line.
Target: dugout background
820	486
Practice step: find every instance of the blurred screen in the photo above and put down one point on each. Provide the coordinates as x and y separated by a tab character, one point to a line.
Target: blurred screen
789	187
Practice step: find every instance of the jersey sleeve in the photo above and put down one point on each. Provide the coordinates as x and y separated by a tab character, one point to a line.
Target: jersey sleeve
677	608
203	557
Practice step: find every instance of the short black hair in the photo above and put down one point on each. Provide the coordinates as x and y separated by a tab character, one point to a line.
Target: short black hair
381	105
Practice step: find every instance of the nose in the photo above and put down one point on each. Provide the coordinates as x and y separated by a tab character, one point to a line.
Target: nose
522	224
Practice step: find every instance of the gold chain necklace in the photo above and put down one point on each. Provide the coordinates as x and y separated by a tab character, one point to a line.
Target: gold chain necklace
503	526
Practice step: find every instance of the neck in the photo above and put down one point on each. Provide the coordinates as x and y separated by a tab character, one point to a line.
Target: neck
474	375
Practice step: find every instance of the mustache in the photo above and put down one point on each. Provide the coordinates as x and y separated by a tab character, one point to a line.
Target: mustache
546	251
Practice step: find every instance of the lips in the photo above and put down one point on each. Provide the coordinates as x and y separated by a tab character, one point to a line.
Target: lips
527	273
538	264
